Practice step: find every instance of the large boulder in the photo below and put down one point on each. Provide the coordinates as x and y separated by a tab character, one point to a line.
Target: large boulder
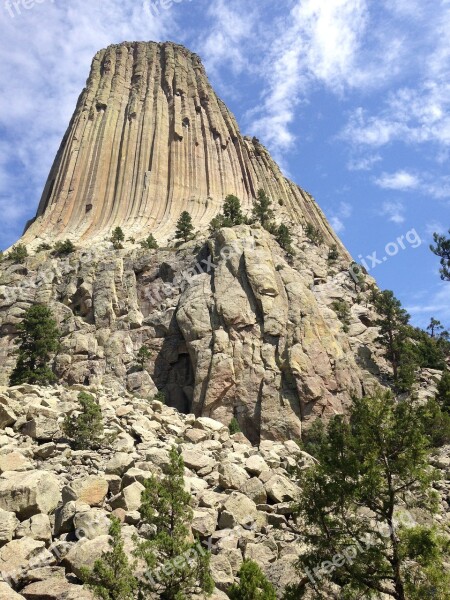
91	489
55	588
281	489
29	493
85	552
20	556
8	525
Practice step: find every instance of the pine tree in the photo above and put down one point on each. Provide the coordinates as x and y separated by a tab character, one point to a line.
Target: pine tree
18	253
177	567
217	223
253	584
342	310
262	210
86	427
314	234
443	391
232	211
117	238
112	577
143	356
38	341
434	327
284	238
234	426
393	324
185	228
442	249
369	467
63	248
150	243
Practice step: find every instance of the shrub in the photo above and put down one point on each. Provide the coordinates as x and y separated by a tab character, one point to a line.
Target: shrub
284	238
234	426
18	253
63	248
43	247
112	577
333	254
314	234
262	211
232	211
117	238
85	428
342	310
150	243
253	584
38	340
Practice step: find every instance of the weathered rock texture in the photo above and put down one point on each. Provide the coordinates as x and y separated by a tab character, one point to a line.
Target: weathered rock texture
149	138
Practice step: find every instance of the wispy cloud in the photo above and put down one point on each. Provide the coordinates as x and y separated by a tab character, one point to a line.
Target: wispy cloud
434	186
394	210
340	215
437	305
363	163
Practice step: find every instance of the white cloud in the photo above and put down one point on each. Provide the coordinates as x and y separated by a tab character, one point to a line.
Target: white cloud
401	180
438	305
339	216
394	210
364	163
317	43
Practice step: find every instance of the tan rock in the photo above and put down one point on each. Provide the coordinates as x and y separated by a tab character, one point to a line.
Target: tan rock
29	493
91	489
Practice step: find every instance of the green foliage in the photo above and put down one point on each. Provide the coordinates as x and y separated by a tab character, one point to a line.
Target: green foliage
435	327
313	438
436	423
284	238
443	392
234	426
442	249
430	352
314	234
232	211
38	339
112	577
393	325
216	223
86	427
143	356
370	465
342	310
253	584
166	508
333	254
185	228
117	238
18	253
63	248
43	247
160	397
150	243
262	211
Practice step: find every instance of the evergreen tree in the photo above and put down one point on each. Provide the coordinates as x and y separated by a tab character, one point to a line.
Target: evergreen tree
262	210
38	340
217	223
393	323
253	584
43	247
112	576
443	392
435	327
234	426
371	466
117	238
143	356
86	427
185	228
150	243
333	254
442	249
314	234
63	248
342	310
284	238
232	211
18	253
166	508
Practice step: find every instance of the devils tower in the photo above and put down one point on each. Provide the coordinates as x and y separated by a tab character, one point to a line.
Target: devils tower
150	138
249	334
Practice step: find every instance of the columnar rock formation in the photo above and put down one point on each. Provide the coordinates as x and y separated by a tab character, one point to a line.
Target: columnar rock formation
149	138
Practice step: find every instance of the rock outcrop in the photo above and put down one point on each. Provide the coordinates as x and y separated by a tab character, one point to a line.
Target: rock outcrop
150	138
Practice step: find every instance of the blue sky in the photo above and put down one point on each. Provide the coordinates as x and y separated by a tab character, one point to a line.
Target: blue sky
352	97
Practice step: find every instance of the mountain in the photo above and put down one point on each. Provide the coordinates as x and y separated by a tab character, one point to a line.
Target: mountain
235	326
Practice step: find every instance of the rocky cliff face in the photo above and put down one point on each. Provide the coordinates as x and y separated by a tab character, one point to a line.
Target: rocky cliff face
235	326
149	138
